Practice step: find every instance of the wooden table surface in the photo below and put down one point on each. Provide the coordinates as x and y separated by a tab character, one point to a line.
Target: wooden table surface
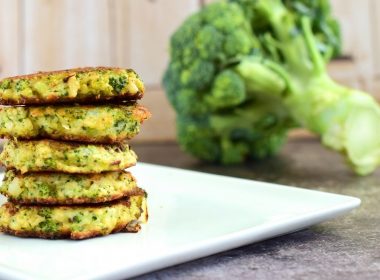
344	248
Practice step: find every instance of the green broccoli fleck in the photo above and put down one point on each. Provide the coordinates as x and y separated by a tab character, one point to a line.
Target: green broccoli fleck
45	212
47	190
5	84
20	85
118	83
48	226
76	219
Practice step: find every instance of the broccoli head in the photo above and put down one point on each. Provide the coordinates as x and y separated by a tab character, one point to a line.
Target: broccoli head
244	72
211	97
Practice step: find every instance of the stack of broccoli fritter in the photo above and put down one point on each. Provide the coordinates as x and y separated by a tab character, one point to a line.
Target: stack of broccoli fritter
66	153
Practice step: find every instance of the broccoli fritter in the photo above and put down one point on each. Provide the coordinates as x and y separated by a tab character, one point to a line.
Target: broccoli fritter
95	124
63	188
50	155
74	222
81	85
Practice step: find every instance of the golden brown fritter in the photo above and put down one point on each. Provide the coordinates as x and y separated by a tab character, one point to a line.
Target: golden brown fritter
68	189
74	222
93	124
80	85
69	157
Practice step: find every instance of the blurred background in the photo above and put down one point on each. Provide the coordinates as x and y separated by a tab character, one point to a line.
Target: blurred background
38	35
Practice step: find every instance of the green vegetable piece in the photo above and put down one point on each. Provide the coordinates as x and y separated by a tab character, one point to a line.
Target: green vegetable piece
118	83
243	73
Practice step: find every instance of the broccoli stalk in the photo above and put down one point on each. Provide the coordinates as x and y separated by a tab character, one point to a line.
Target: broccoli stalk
346	119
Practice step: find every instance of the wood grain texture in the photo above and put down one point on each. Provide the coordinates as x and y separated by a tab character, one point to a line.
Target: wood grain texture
356	26
145	46
375	17
120	32
65	34
161	126
344	72
10	38
205	2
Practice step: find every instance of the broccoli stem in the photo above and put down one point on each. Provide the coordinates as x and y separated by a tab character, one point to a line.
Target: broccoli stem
291	45
347	120
261	78
318	62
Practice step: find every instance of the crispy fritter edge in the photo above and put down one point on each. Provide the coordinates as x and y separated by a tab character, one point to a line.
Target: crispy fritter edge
68	71
130	227
69	100
74	201
8	167
73	144
88	140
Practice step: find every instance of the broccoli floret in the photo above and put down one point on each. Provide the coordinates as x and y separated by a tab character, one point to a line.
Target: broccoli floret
325	27
209	43
198	75
188	105
196	137
203	45
255	130
228	90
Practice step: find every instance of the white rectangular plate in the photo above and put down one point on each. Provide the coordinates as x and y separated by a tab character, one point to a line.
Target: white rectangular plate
192	215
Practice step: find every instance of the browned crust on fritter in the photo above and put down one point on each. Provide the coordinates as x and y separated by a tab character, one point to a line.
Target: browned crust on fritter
11	167
141	113
75	201
133	226
74	144
85	139
146	213
62	100
124	201
129	227
65	71
68	100
19	174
